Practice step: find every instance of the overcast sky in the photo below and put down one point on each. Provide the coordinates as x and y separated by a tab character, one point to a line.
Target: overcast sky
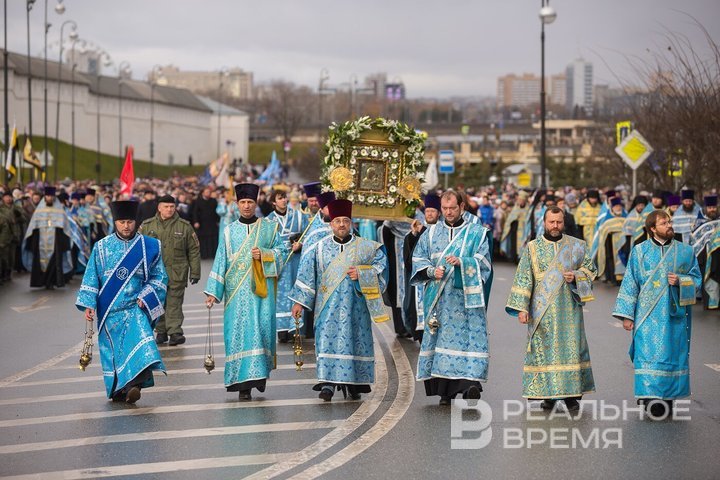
438	48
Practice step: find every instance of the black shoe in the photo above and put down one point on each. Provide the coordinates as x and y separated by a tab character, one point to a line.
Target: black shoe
472	393
355	396
244	395
659	409
176	339
547	404
572	404
326	393
133	395
161	338
283	337
445	400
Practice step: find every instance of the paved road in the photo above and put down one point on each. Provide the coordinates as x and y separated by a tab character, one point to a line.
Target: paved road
56	423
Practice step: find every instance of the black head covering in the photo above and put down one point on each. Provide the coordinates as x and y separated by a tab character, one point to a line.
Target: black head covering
124	210
312	189
687	194
49	190
166	199
432	201
90	191
246	191
593	194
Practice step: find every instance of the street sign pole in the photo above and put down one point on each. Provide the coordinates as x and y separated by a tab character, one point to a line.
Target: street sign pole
634	183
446	181
634	150
447	164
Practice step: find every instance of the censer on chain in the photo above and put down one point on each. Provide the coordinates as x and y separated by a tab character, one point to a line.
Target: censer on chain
433	324
86	352
297	346
209	363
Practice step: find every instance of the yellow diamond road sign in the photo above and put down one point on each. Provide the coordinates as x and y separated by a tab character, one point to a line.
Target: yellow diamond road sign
634	149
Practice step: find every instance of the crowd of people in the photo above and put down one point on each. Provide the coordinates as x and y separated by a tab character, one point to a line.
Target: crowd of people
291	259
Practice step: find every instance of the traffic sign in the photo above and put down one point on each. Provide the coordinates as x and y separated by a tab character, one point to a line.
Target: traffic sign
447	161
524	179
634	150
622	130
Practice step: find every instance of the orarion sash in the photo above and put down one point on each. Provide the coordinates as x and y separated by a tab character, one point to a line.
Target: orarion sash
138	254
370	288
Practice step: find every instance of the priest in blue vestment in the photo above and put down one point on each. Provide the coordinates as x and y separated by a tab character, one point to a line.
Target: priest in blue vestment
655	304
291	225
342	279
247	263
452	262
124	288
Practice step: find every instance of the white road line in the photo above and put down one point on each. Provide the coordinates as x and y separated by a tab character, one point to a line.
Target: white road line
714	366
169	435
42	366
181	388
365	411
93	378
130	411
159	467
403	399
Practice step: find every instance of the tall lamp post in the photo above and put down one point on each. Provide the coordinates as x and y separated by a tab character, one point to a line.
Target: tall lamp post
72	110
73	36
221	75
324	76
5	78
59	9
547	16
123	69
106	63
29	4
156	71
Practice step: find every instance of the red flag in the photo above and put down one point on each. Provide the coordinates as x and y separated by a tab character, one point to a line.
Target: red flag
127	177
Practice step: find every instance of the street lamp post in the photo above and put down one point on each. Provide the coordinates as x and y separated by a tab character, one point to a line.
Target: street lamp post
547	16
73	37
221	74
324	75
123	69
158	69
108	62
72	110
29	5
59	9
5	78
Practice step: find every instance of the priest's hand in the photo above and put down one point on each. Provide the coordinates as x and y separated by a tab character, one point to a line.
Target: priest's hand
352	273
296	246
452	260
523	317
297	310
210	301
627	324
569	277
255	253
140	303
89	314
416	227
673	279
439	273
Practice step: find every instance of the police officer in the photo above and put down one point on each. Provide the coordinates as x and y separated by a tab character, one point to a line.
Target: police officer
180	253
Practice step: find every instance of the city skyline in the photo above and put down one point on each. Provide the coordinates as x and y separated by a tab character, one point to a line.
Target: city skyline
408	40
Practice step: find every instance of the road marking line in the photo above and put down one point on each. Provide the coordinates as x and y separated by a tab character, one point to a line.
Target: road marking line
170	435
38	304
130	411
360	416
42	366
93	378
400	405
172	388
714	366
158	467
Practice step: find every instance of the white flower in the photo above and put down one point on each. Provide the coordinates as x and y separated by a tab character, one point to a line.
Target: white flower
363	152
371	199
394	166
361	198
411	149
393	176
353	161
354	152
395	154
351	197
391	201
381	200
374	153
385	154
352	171
393	189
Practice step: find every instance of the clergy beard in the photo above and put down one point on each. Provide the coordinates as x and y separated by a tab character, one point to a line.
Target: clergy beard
687	210
713	215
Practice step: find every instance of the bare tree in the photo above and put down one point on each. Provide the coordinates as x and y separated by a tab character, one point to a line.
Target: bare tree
288	107
679	113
